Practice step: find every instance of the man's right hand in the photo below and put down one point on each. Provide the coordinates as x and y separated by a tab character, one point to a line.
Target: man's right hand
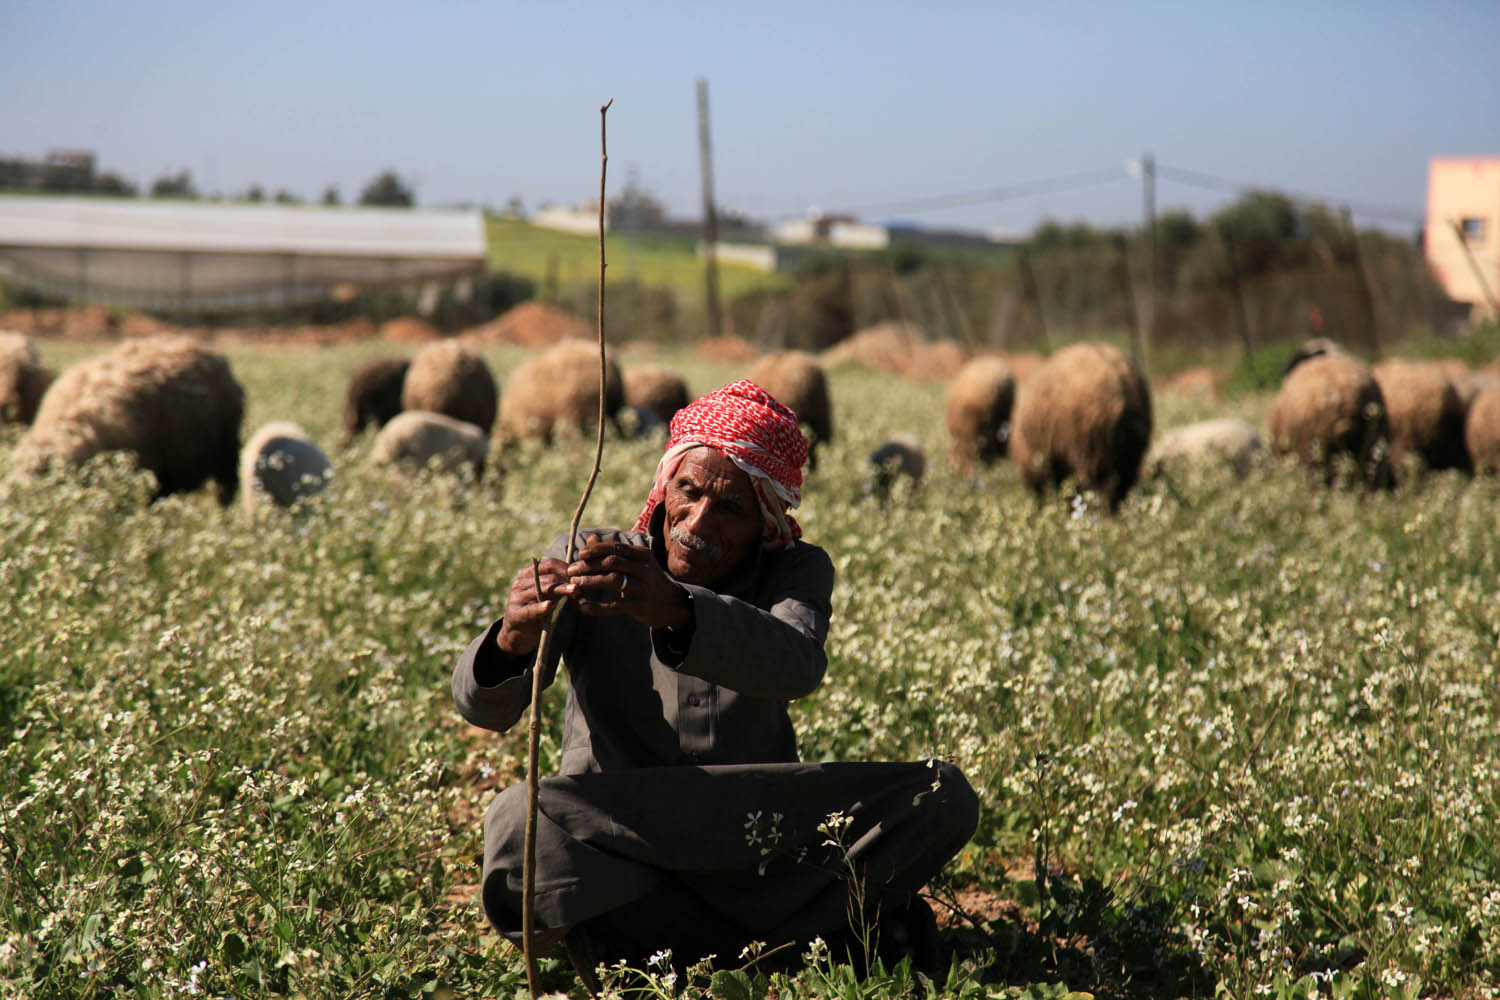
521	632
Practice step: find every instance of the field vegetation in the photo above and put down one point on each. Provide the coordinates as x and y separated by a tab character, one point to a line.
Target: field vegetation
1240	740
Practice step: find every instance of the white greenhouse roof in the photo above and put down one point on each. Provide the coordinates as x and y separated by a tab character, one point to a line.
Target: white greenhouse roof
185	255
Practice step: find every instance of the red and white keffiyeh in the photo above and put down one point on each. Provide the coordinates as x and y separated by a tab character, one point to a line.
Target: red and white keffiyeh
745	424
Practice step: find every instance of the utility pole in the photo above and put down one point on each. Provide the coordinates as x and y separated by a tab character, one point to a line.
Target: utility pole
710	218
1148	318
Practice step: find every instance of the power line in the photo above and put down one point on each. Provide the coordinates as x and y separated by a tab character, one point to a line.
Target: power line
1065	182
1372	210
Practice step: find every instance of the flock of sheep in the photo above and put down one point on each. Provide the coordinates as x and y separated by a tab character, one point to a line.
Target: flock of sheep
1085	414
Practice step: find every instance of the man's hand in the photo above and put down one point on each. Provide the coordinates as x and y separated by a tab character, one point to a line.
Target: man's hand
614	578
524	613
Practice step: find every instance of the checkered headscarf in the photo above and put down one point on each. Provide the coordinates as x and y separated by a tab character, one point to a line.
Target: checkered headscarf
746	425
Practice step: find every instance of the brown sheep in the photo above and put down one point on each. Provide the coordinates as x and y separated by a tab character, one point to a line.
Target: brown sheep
1330	406
1482	430
1206	445
797	381
452	379
374	395
977	412
171	401
658	389
23	380
1424	413
1084	413
558	391
1314	348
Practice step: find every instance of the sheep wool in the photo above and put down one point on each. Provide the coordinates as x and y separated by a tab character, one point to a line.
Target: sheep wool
977	412
797	381
1205	446
281	463
899	458
23	380
658	389
1084	413
374	394
1424	412
1330	406
452	379
171	401
558	392
414	438
1482	430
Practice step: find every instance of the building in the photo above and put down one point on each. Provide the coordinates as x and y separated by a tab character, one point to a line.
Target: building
1462	238
168	255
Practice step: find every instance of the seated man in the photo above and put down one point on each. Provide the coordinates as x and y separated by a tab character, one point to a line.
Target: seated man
682	818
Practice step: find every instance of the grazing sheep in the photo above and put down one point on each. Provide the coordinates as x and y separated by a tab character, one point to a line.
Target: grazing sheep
452	379
977	412
797	381
1085	413
899	458
413	438
1316	348
281	462
1424	414
558	390
658	389
1471	385
1482	430
1206	444
1331	406
374	395
171	401
23	380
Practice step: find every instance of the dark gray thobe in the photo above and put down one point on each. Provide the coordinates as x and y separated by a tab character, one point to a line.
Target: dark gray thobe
682	818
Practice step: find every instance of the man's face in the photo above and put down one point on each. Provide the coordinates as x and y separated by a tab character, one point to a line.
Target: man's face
712	517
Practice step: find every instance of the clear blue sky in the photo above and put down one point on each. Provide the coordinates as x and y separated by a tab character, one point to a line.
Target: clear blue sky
827	104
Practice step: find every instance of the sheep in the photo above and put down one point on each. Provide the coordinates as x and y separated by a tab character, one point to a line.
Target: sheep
1330	406
1314	348
1471	385
796	380
658	389
1482	430
281	462
899	458
1231	444
23	380
374	395
452	379
1424	413
171	401
1086	413
558	390
976	411
413	438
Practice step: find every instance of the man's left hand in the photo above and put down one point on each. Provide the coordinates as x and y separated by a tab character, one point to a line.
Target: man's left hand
615	578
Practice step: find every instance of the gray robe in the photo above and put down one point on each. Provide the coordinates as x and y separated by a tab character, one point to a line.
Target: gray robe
682	818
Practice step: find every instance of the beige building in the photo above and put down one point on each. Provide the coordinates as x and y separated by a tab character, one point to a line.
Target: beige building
1463	229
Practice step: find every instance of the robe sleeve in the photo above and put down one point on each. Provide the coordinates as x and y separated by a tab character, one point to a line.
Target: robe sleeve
491	688
775	653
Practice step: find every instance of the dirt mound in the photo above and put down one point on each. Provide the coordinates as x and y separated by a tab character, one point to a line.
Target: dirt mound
885	347
409	330
531	324
726	348
138	324
80	322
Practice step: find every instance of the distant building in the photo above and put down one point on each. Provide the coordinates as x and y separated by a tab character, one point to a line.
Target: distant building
834	230
61	170
583	220
1463	229
173	255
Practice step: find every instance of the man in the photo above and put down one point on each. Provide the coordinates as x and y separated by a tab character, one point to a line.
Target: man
682	819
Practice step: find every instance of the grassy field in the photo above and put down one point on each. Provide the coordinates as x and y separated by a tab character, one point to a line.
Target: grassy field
1240	740
652	259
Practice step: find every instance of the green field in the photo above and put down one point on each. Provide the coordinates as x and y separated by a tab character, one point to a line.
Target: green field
652	259
1240	740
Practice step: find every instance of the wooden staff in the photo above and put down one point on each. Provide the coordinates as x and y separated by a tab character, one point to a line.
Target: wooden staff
528	899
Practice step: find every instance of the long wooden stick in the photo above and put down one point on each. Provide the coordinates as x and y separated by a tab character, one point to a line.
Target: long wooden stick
528	899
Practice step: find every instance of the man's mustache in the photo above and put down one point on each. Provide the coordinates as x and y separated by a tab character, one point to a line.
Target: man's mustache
684	537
